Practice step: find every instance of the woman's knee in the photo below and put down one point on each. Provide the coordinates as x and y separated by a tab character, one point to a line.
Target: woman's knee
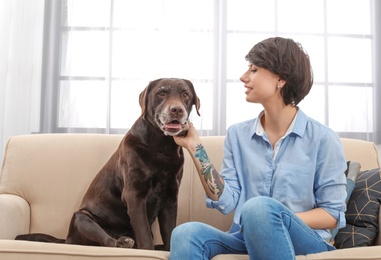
187	240
189	229
188	233
258	208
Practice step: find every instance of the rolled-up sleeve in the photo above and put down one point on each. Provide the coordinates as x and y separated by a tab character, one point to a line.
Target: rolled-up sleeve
330	180
224	204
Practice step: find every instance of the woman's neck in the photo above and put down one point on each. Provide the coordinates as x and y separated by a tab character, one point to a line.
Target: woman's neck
276	122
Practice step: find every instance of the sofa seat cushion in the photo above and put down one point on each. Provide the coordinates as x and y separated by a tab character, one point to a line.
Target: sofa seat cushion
16	249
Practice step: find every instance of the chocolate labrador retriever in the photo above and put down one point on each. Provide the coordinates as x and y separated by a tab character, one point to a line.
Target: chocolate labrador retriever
141	179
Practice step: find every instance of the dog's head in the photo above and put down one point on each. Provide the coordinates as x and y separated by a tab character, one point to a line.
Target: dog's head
167	102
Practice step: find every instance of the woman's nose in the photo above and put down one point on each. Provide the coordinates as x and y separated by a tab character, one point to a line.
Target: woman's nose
243	78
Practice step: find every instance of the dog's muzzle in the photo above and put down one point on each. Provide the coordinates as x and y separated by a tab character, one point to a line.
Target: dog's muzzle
172	122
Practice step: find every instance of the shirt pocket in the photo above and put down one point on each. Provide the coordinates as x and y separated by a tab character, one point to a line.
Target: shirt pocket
294	181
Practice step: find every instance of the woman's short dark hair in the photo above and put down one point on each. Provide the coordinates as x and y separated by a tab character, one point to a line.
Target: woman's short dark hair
287	59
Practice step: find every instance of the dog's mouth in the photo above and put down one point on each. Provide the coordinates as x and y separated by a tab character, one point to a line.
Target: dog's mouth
173	127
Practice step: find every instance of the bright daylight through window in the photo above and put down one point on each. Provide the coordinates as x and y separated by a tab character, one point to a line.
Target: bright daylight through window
110	49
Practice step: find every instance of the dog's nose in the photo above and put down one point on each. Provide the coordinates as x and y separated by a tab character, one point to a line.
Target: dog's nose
177	110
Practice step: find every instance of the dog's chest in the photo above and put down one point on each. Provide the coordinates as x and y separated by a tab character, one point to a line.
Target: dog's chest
163	189
164	173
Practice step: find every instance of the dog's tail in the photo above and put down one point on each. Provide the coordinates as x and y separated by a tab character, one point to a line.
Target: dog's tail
40	238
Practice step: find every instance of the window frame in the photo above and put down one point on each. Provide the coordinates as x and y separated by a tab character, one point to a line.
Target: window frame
51	73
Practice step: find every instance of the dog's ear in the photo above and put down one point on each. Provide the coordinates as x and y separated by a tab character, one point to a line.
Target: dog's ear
142	101
197	104
143	97
196	100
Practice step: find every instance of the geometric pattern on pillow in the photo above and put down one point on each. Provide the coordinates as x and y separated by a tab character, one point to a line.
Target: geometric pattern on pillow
353	236
362	212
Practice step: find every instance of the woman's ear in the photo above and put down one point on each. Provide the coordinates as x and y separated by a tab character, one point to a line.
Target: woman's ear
281	83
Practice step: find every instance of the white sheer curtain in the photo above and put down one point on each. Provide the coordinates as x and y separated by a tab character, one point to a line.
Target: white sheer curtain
21	34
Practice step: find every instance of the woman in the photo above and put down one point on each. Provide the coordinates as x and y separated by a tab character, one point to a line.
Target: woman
282	173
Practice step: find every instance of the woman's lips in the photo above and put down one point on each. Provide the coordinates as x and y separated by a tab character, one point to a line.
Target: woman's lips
248	90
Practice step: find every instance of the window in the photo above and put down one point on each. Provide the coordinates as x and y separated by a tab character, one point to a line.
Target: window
108	51
339	46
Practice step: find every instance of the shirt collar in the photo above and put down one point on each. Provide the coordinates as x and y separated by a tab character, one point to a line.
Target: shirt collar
298	124
259	130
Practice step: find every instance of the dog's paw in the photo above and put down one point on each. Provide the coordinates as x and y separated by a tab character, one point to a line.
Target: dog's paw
125	242
161	247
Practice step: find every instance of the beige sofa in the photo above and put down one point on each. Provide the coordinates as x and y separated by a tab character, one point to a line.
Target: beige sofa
44	177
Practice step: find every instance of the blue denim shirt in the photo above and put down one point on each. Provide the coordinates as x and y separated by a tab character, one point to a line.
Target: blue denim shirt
305	169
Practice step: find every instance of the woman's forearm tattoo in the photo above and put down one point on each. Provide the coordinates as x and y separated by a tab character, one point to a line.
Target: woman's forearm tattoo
211	176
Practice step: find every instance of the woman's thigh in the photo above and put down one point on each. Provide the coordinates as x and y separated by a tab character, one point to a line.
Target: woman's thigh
196	240
270	228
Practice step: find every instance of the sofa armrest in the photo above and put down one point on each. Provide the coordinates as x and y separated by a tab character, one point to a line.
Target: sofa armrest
14	216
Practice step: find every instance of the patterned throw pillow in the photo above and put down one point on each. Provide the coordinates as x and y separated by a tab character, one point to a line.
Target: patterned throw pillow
362	212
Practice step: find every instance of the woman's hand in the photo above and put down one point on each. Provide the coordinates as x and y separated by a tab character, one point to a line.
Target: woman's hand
210	179
190	140
318	218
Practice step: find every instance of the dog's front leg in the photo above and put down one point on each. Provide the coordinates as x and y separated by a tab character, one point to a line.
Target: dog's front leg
139	222
167	222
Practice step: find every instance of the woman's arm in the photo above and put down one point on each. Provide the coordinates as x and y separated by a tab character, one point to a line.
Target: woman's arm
211	180
318	218
329	187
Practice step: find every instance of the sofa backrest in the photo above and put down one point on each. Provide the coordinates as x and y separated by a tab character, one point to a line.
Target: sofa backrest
52	172
361	151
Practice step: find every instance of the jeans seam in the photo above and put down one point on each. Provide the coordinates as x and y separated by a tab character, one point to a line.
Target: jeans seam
219	243
309	230
290	244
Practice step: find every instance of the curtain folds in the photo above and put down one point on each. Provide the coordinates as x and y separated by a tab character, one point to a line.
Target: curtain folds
21	34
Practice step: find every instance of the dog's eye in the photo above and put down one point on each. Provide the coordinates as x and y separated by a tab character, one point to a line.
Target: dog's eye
161	93
186	95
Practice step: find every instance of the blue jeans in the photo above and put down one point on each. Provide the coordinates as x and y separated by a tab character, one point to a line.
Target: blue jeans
269	231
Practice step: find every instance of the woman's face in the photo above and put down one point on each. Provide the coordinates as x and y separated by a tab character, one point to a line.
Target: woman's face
261	85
